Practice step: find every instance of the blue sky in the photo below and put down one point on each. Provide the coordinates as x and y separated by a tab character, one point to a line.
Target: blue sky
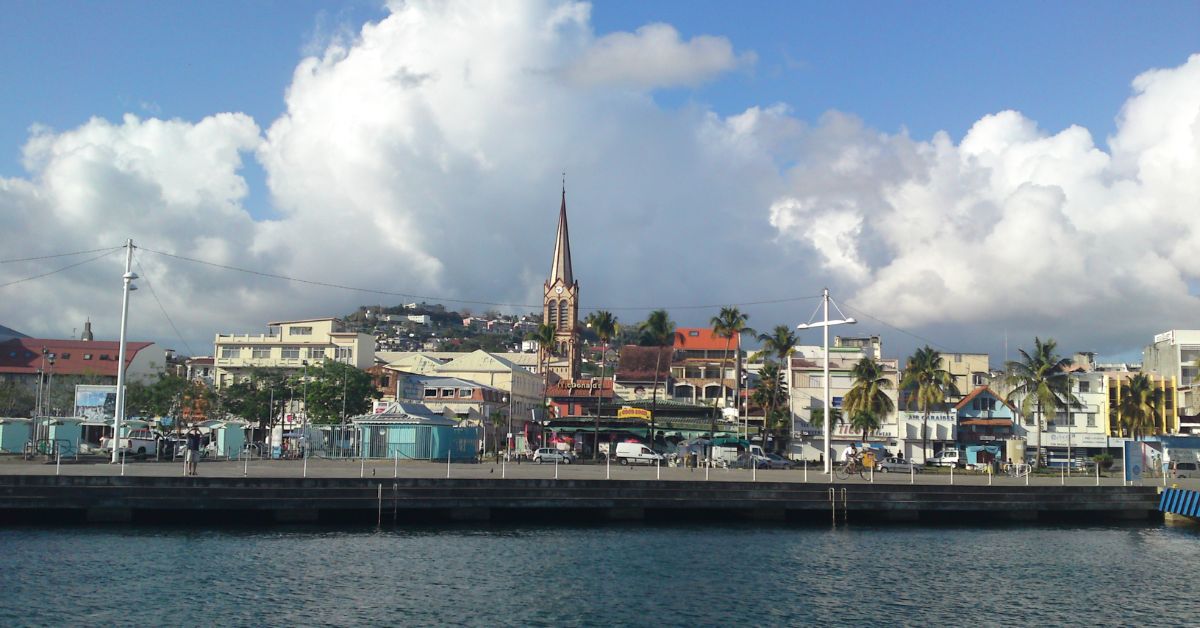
808	191
923	66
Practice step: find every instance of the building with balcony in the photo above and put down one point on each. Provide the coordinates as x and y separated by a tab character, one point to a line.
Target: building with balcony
704	367
290	345
1175	357
808	383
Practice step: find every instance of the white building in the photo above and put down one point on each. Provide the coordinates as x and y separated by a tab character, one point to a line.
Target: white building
290	345
1173	356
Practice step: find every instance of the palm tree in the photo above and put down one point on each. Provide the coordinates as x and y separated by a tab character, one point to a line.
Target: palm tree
605	325
1040	379
816	418
730	323
658	330
779	344
868	395
770	393
1139	406
866	421
928	385
544	337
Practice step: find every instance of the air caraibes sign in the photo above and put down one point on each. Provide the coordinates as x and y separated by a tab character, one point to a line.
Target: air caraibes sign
633	413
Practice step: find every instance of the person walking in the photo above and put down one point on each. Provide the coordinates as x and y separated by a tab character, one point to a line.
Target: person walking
192	457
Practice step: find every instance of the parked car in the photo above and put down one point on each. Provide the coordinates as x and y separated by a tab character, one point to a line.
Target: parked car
1187	470
745	460
549	454
140	443
776	461
896	465
948	458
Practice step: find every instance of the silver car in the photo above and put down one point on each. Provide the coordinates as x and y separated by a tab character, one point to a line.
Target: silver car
896	465
551	455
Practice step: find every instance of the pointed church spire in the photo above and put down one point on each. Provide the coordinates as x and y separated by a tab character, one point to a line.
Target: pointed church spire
561	266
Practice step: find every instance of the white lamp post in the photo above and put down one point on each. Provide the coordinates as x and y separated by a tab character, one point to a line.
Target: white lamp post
119	414
825	325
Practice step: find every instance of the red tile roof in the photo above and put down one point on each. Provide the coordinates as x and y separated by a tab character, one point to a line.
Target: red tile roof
71	357
702	339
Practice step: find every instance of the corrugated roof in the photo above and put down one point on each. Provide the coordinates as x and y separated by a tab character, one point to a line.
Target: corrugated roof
478	361
71	357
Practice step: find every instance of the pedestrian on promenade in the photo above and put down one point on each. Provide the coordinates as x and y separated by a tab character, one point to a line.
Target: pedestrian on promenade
192	456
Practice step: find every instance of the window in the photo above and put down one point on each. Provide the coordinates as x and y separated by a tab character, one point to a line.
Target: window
299	331
447	392
260	353
1084	386
431	392
386	381
316	353
1091	419
693	333
290	353
66	356
103	356
88	356
343	354
226	352
464	393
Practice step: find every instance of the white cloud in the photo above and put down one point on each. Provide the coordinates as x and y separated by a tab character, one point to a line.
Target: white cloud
422	155
655	56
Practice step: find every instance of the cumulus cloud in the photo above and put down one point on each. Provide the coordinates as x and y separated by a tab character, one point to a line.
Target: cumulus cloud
1017	226
421	155
655	56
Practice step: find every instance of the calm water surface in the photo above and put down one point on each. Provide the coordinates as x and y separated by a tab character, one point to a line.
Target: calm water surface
573	576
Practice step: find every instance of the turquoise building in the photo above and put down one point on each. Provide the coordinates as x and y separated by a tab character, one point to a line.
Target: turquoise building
413	432
14	433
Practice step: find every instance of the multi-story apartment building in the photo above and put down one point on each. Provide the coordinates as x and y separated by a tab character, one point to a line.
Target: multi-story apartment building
290	345
1175	356
807	387
704	366
969	370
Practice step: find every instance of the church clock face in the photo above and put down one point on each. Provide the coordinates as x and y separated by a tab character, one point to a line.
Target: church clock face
558	289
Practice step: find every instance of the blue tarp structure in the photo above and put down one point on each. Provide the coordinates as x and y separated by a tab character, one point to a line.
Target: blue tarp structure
973	452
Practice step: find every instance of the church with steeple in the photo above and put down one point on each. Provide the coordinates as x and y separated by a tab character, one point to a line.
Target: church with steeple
560	306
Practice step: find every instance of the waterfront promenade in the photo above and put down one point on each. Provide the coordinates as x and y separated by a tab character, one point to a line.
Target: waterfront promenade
380	469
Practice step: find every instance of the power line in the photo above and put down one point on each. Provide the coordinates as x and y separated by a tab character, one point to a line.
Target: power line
59	270
438	299
149	284
903	331
40	257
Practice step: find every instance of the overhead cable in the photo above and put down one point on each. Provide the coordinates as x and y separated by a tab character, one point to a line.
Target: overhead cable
59	270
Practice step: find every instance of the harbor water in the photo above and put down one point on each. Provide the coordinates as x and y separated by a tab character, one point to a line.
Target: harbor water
599	576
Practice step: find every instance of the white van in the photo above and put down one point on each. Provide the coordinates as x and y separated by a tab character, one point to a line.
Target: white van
638	453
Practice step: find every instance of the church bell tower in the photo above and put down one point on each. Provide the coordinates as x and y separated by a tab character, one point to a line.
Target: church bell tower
560	306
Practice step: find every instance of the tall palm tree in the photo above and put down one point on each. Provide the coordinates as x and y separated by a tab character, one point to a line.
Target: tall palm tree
1139	405
770	394
544	337
658	330
779	344
816	418
728	324
868	395
928	385
1041	381
605	326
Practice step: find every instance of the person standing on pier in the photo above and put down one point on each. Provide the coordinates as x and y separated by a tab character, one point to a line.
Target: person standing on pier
193	450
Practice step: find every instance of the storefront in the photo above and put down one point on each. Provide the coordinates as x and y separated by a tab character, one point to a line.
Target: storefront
940	432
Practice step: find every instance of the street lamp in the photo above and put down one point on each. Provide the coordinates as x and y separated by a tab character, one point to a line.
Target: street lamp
825	325
47	400
119	414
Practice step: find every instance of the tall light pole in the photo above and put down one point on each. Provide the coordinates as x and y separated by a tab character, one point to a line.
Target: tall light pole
50	386
825	325
119	414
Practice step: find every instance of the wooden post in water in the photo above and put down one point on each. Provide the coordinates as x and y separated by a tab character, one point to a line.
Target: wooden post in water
379	505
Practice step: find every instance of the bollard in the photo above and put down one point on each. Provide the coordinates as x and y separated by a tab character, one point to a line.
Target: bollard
753	469
122	464
1062	476
1097	474
556	466
951	475
912	473
362	467
657	469
246	467
607	467
504	467
871	475
706	468
57	460
305	472
806	472
989	474
448	466
1027	471
396	465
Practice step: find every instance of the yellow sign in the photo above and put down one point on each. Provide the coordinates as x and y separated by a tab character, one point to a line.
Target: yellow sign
633	413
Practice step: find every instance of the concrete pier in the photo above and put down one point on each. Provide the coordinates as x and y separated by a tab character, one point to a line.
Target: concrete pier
271	500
